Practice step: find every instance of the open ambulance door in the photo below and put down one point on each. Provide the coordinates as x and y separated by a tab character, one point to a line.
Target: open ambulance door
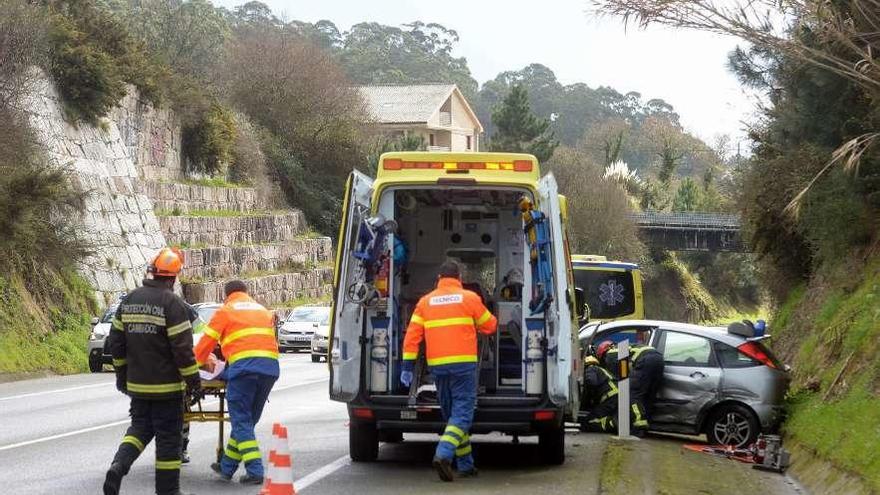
347	324
558	314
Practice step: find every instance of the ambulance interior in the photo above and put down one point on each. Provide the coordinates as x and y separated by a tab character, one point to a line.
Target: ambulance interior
481	229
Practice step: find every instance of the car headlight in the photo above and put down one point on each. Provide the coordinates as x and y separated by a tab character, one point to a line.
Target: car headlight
97	336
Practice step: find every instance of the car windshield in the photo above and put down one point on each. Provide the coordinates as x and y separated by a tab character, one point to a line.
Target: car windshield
108	315
310	315
207	312
608	293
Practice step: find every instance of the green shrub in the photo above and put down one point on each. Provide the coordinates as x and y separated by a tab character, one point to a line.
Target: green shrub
208	142
88	80
92	58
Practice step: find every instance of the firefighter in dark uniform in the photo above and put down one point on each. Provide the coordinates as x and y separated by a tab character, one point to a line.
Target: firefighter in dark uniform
599	399
645	380
152	346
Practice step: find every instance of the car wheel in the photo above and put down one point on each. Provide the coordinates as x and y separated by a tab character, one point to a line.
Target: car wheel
732	424
95	365
363	442
551	446
390	436
316	358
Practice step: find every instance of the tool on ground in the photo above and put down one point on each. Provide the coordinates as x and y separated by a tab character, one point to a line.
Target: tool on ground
537	231
279	476
746	456
370	251
770	455
767	453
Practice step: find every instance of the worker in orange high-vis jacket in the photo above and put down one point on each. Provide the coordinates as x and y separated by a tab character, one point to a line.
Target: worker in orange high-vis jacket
246	333
448	319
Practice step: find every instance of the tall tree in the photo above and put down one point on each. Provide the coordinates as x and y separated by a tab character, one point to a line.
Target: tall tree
687	197
519	130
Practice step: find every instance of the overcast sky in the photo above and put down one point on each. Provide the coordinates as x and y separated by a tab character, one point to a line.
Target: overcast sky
687	69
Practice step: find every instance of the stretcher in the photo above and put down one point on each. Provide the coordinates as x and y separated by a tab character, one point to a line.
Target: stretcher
196	413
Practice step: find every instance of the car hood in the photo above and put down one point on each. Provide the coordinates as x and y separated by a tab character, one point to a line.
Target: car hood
298	326
101	329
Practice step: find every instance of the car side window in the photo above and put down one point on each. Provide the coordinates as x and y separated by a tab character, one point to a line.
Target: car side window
635	335
730	357
682	349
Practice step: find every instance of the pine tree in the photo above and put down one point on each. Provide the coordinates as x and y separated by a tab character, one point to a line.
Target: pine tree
519	130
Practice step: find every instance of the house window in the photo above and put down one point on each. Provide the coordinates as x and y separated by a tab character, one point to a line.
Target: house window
430	140
468	143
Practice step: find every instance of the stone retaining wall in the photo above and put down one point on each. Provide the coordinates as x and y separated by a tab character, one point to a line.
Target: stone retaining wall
118	220
184	198
270	290
224	262
226	231
151	136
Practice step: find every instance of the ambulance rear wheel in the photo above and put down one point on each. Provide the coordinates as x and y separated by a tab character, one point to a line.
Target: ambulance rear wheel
363	442
551	446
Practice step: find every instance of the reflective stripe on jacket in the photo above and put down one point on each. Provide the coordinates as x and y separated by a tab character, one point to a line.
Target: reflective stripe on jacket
448	319
244	329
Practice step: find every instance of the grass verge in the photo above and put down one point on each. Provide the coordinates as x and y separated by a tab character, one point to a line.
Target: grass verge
834	407
45	335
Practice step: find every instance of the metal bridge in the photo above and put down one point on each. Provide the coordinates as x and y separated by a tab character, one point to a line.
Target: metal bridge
690	231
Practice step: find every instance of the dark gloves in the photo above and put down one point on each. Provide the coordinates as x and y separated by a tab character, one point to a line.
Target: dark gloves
194	389
121	379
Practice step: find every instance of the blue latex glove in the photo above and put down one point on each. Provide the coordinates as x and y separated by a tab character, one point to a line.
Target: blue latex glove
406	378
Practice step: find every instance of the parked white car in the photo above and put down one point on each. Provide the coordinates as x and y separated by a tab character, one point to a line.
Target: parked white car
297	330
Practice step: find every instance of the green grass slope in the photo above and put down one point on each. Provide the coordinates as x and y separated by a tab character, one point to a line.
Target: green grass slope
47	333
829	333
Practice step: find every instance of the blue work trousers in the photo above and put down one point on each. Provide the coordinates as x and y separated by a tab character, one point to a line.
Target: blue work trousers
457	391
246	394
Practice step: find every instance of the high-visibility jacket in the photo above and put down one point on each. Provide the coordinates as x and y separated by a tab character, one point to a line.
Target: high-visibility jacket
448	319
244	329
599	385
636	352
151	343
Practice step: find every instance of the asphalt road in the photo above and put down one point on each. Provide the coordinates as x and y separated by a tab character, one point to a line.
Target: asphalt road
58	435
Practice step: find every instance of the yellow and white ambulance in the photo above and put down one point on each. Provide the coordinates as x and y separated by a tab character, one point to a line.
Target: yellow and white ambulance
422	209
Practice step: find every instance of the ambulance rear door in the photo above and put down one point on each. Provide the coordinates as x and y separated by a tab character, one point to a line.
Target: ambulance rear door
347	325
558	315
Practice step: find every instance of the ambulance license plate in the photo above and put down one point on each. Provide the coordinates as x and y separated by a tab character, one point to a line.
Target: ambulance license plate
409	415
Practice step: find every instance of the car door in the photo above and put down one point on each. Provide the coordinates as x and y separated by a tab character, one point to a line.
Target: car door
347	318
691	378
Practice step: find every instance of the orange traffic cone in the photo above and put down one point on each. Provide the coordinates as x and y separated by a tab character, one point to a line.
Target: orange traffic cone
279	475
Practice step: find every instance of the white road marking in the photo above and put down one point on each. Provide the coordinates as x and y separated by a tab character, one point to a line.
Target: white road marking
124	421
62	435
321	473
56	391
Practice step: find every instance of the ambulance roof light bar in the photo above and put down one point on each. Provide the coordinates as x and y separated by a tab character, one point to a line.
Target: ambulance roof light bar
514	166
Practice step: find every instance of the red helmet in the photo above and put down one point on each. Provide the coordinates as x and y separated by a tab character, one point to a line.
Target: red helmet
603	348
167	263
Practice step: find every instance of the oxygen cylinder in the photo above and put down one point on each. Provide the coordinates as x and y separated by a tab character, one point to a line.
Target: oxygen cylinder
534	363
379	361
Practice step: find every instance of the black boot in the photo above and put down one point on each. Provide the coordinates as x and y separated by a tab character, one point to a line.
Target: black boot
113	480
444	469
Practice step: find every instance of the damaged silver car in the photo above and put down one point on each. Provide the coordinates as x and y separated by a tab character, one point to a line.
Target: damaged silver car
723	382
